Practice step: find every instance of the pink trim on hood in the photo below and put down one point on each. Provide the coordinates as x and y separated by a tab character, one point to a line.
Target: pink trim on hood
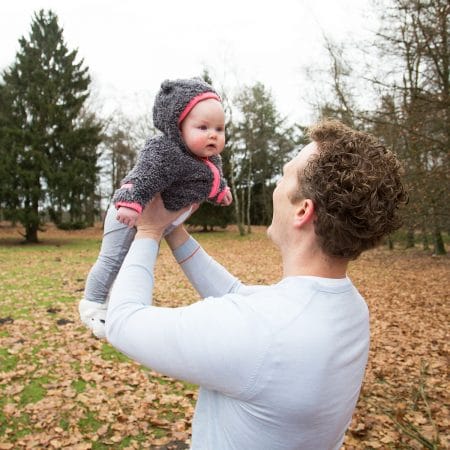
194	101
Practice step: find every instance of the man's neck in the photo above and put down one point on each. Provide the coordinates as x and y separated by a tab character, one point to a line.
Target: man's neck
312	262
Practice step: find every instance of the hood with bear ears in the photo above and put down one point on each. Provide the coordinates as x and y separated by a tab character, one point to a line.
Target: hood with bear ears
172	99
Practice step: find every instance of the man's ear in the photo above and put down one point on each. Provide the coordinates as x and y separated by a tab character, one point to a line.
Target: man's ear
304	213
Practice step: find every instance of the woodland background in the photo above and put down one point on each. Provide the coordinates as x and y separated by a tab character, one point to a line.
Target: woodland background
61	161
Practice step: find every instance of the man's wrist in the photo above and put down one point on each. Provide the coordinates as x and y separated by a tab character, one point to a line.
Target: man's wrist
177	237
148	234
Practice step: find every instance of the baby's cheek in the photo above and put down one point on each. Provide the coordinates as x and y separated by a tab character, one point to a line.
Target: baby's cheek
199	141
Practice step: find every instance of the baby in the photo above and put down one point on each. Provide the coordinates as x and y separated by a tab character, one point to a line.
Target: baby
183	164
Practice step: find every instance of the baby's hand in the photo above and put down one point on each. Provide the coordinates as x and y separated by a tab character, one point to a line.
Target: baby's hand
227	199
127	216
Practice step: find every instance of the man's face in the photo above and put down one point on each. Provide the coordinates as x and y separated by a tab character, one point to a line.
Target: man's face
283	209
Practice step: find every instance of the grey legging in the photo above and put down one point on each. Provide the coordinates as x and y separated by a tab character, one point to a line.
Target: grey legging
117	239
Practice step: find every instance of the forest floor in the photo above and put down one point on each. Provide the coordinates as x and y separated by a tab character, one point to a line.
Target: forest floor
62	388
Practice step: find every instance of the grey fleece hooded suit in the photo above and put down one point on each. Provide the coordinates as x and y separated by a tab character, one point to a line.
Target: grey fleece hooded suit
165	165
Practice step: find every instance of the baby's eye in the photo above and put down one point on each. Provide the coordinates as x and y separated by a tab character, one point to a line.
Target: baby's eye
219	129
203	127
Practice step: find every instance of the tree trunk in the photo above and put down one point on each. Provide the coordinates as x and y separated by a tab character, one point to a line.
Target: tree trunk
439	247
390	243
237	212
249	197
31	234
32	223
425	242
410	238
236	202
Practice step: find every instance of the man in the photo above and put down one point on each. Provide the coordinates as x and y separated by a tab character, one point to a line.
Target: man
281	366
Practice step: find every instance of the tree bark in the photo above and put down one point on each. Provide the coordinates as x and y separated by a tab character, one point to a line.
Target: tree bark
410	238
439	247
236	202
249	196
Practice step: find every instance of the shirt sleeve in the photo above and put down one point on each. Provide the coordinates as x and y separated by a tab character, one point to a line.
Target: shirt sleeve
212	343
207	276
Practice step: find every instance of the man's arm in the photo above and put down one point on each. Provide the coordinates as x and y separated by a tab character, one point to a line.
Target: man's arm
207	276
212	343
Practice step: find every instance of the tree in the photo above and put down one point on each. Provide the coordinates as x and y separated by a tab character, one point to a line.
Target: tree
343	107
262	143
412	114
416	33
209	216
47	131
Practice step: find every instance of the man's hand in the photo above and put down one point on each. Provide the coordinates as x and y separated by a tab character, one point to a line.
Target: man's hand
155	218
227	199
127	216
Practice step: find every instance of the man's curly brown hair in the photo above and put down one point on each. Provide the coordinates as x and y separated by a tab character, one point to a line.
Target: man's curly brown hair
355	184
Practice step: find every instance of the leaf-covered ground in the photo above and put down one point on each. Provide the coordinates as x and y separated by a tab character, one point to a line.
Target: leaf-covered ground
62	388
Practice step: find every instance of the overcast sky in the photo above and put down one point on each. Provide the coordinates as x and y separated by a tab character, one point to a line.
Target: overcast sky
131	46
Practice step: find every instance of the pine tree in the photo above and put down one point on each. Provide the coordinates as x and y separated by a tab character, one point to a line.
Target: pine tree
262	144
50	138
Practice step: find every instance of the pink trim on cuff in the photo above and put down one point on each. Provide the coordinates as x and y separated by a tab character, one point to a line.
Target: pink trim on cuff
136	206
222	194
194	101
126	186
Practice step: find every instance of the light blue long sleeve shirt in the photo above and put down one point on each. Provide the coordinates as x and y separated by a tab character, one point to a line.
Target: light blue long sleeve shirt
279	367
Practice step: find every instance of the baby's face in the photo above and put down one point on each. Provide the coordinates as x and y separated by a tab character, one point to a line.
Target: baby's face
203	129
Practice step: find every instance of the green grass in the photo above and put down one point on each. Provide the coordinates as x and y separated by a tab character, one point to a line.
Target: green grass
89	423
8	362
34	391
79	386
109	353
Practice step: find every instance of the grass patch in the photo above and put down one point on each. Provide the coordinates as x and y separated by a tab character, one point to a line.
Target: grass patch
89	423
109	353
7	362
79	386
159	433
64	423
33	391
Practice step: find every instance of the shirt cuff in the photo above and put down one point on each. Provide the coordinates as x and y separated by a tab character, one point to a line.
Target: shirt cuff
185	251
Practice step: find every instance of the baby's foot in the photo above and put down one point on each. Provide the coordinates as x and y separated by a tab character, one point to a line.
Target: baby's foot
93	315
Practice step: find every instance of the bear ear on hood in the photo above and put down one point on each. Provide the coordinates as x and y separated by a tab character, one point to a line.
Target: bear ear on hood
167	86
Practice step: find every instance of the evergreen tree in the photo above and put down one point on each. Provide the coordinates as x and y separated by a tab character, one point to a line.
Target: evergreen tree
50	138
262	144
